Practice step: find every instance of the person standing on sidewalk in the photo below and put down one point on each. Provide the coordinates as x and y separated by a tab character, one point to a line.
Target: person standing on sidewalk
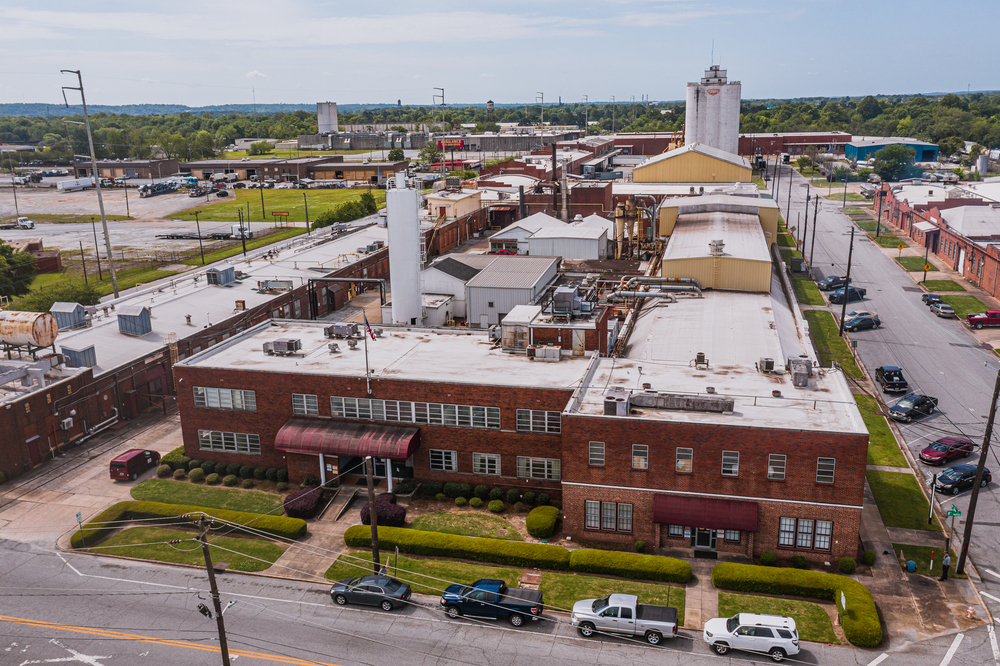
945	564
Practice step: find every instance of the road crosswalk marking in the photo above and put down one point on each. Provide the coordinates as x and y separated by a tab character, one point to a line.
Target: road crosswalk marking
950	654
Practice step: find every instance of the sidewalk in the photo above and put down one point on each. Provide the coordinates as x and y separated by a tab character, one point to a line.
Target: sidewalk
701	598
314	553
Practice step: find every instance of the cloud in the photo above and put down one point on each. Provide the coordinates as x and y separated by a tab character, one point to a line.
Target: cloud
486	75
256	75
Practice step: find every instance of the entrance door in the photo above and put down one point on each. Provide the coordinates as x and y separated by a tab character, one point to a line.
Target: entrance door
579	342
961	262
704	539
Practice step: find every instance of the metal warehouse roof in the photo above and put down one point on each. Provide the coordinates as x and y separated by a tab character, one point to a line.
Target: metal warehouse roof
741	233
702	149
456	269
514	272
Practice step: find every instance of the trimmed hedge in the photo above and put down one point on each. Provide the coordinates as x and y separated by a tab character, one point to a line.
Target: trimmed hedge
229	480
498	551
260	473
179	474
496	494
640	546
869	557
233	469
860	620
246	472
213	479
389	514
630	565
302	503
97	528
460	501
193	463
529	498
247	483
176	459
281	486
847	565
482	491
496	506
197	475
271	473
456	490
475	502
513	496
220	469
541	521
543	499
768	559
163	471
282	475
208	467
800	562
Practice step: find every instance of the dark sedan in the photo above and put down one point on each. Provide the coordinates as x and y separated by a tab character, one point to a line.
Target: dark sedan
959	477
862	323
912	406
831	282
371	590
947	449
930	298
849	293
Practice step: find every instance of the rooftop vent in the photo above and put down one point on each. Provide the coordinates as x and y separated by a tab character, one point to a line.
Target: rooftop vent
801	370
283	347
700	361
221	275
617	402
693	403
716	247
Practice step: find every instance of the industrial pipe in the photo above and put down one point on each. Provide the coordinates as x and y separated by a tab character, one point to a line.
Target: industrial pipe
664	291
659	280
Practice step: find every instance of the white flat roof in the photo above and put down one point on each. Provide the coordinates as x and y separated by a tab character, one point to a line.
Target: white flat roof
923	193
454	196
741	233
973	221
430	355
531	224
988	190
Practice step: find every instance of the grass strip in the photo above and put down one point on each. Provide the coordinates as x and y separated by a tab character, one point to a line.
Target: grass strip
811	620
964	304
866	224
807	292
887	240
882	446
252	244
467	523
425	576
292	202
912	263
921	556
562	590
830	346
824	183
786	240
900	501
169	491
942	285
126	543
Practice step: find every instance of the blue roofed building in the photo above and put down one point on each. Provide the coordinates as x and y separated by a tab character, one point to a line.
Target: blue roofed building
865	148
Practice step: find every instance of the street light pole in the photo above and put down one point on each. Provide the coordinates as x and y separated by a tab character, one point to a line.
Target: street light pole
847	285
812	247
979	478
845	194
200	244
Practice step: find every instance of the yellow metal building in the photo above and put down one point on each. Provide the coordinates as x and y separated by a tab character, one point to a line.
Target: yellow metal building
766	211
694	163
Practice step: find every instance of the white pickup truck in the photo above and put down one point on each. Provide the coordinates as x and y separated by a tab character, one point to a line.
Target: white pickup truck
621	614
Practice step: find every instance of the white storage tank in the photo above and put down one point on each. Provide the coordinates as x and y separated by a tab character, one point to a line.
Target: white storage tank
404	252
712	112
28	328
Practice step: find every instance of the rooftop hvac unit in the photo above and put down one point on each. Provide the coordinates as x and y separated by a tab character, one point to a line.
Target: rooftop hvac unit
66	424
134	320
563	299
801	370
617	402
453	183
275	285
341	330
221	275
766	365
68	315
287	345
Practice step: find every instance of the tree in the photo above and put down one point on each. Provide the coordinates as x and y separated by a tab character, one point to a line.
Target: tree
16	271
953	101
950	145
261	148
803	162
894	163
430	153
869	107
67	292
396	155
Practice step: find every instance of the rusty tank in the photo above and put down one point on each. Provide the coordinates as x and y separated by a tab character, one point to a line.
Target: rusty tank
28	328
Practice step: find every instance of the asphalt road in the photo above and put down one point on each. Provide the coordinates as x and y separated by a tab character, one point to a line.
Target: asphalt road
939	357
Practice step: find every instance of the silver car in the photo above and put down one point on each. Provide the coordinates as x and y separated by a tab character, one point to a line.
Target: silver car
942	310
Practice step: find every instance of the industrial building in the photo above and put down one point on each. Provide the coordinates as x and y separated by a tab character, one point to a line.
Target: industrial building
507	282
864	148
712	113
129	168
694	163
793	143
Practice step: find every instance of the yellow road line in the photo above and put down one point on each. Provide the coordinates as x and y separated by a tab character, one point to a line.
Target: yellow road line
107	633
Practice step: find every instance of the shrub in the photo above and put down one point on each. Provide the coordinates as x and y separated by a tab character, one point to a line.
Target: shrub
271	473
496	506
310	480
230	480
174	459
208	467
513	496
281	486
259	473
220	468
406	486
197	475
860	620
482	491
179	474
630	565
460	501
232	469
768	559
441	497
455	490
98	527
193	463
521	507
497	551
389	514
386	497
163	471
543	499
302	503
640	546
282	475
431	488
246	472
868	557
541	522
247	483
213	479
529	498
496	494
475	502
800	562
847	565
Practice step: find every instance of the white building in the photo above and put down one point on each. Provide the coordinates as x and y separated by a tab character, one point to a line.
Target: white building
712	115
515	237
571	241
506	283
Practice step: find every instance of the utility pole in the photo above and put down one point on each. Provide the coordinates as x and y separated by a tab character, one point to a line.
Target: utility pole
979	479
128	213
586	115
434	97
612	113
223	645
927	252
243	235
200	245
844	205
13	185
306	204
777	181
376	561
788	206
97	251
541	96
812	248
847	284
262	212
83	259
805	225
878	220
94	173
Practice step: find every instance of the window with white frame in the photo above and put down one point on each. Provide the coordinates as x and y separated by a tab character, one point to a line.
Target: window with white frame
675	530
730	463
229	442
592	515
597	454
608	516
538	468
536	420
776	466
444	461
305	405
733	536
825	468
486	463
786	532
685	460
824	534
231	399
805	533
404	411
640	456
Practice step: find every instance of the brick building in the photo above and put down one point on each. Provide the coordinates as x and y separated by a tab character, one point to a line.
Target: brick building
793	143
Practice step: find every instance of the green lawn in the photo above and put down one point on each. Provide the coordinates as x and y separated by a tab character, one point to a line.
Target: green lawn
900	501
125	543
760	183
562	590
807	292
852	196
126	279
287	201
43	280
45	218
169	491
921	555
912	263
467	523
830	346
942	285
964	305
786	255
886	240
424	576
882	446
786	240
866	224
854	210
253	244
811	620
823	183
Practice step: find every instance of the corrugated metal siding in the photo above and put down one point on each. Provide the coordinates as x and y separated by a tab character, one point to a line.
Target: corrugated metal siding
722	272
769	223
668	218
504	300
568	248
691	168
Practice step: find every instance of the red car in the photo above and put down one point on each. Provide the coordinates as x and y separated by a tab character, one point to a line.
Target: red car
946	449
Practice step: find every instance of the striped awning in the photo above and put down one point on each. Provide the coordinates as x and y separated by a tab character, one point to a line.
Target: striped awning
707	512
347	439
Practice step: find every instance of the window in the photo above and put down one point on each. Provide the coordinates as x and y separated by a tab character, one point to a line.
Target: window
805	533
534	420
675	530
786	532
776	466
230	442
609	516
685	460
597	454
230	399
730	463
490	305
304	405
431	413
824	532
805	538
733	536
825	469
624	517
444	461
538	468
640	456
486	463
592	515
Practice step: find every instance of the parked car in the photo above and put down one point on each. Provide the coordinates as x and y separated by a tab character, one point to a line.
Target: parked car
930	298
622	614
891	379
943	310
862	323
981	319
832	282
850	293
132	463
947	449
957	478
860	313
913	406
490	598
371	590
773	635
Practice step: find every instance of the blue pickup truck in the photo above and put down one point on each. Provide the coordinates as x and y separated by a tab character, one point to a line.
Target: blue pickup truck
490	598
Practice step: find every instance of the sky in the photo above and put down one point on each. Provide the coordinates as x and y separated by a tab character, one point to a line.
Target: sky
293	51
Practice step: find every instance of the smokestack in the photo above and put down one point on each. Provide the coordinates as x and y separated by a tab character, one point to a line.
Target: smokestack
404	253
523	211
555	182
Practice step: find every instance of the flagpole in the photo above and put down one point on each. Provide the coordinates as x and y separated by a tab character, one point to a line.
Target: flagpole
368	374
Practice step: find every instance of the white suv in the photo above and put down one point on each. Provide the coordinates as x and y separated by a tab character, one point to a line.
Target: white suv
772	635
